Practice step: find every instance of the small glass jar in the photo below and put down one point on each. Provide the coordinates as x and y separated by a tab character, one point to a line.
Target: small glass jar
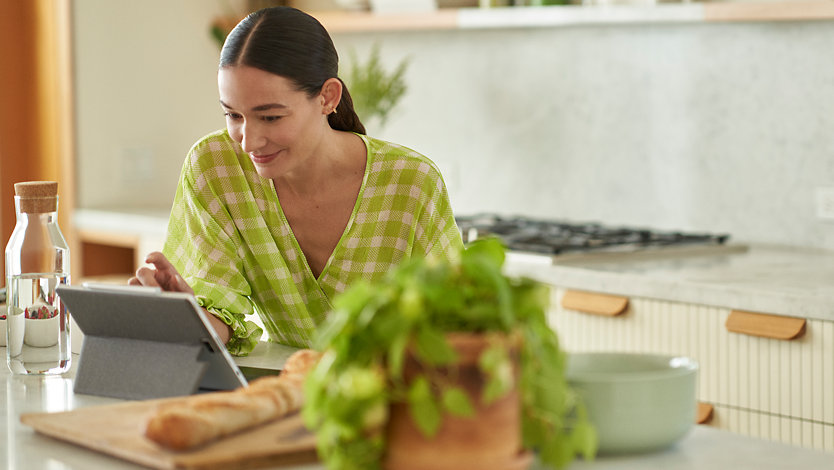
37	262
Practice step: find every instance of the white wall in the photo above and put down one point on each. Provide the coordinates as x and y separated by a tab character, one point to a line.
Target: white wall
725	128
146	89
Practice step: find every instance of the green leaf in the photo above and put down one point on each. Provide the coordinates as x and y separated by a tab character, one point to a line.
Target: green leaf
531	301
585	439
375	415
491	358
396	355
423	407
335	325
457	402
386	327
360	383
411	302
355	298
495	363
433	347
493	390
490	248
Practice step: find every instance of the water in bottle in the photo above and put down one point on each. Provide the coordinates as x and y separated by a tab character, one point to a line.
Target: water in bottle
37	262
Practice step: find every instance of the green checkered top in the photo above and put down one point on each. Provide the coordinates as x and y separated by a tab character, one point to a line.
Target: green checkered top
229	238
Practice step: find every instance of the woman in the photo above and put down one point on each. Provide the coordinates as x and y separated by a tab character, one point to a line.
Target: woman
291	203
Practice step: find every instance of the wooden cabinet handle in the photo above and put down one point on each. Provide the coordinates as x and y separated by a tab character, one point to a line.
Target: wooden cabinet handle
704	413
598	304
765	325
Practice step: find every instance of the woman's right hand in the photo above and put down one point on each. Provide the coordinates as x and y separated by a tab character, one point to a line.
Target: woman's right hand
163	274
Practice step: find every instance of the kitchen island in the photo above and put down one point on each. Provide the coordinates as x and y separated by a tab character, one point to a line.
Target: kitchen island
24	449
759	320
775	279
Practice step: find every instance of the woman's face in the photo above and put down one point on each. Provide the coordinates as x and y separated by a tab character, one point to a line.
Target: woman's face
277	125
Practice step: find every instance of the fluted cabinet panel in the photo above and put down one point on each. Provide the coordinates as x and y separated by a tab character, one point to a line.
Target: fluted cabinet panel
780	390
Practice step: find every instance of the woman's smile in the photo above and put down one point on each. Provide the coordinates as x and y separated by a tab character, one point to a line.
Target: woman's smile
263	159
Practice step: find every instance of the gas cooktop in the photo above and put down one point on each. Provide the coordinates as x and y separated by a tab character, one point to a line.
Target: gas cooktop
554	237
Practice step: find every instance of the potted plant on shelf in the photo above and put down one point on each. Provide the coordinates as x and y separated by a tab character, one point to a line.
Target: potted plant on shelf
375	91
444	365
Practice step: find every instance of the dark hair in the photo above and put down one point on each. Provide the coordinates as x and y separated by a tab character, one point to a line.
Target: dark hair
290	43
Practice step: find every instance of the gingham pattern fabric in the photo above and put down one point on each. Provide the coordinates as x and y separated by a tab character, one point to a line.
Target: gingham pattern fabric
228	237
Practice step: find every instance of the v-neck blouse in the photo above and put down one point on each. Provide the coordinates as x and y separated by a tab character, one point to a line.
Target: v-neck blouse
229	239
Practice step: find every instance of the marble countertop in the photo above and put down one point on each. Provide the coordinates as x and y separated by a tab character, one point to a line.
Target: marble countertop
767	279
760	278
22	448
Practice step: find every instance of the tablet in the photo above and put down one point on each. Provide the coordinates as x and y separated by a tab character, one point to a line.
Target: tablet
143	343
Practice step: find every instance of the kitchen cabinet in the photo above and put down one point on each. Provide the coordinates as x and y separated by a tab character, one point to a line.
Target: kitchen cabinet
116	242
793	431
777	389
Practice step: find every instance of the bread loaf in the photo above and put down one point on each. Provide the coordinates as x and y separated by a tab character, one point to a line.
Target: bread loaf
300	363
199	419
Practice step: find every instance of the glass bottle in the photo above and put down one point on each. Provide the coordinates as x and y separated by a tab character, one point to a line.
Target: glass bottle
37	261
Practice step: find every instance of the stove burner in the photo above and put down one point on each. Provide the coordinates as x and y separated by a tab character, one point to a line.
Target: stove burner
556	237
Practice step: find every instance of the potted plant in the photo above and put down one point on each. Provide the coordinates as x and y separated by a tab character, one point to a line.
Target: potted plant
374	90
437	356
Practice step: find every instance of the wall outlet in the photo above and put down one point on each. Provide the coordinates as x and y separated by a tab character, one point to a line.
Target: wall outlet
825	203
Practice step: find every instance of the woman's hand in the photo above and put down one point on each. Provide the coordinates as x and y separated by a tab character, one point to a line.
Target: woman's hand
163	275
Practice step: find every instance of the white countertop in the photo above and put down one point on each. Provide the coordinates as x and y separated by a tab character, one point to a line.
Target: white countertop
23	449
767	279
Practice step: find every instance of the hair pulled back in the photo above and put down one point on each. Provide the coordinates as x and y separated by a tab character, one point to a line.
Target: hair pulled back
290	43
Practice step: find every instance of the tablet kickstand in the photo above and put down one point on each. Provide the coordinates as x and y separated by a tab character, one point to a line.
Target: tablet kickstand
138	369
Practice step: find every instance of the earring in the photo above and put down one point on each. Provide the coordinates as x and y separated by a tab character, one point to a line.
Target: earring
334	111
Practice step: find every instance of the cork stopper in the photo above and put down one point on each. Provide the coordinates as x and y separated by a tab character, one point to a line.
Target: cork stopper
37	196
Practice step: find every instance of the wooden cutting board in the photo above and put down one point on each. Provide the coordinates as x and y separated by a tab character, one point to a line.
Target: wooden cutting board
118	430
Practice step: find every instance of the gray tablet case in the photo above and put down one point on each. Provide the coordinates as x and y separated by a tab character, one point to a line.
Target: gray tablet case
142	344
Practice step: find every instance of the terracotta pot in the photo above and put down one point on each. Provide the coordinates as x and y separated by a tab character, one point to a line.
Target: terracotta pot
490	440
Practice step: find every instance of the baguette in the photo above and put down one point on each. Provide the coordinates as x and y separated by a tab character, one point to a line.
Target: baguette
300	363
199	419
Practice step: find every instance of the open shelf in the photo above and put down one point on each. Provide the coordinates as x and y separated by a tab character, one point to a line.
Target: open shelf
556	16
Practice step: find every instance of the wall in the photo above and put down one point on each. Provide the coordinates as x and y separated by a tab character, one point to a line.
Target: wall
721	127
146	90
